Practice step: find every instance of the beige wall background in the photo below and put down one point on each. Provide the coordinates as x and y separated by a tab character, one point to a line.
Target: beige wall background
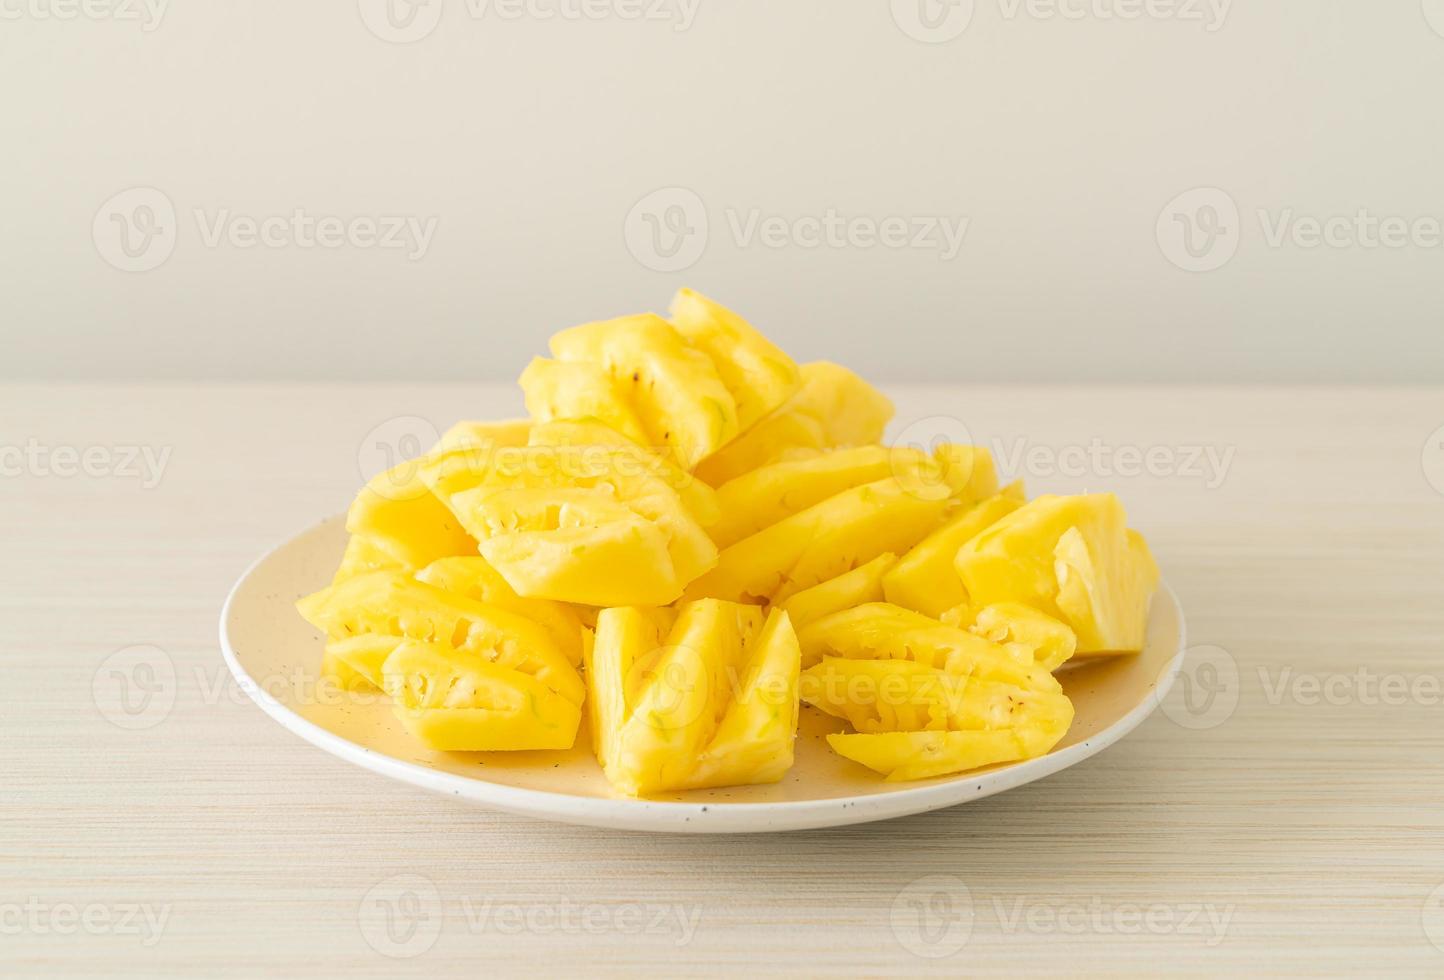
1153	190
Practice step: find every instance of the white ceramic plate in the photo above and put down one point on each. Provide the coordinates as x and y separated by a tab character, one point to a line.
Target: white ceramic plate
276	656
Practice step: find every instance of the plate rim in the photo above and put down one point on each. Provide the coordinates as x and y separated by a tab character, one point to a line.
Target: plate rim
670	816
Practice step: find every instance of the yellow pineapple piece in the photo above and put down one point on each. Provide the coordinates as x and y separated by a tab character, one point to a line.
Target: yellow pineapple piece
1036	636
831	407
461	701
673	388
560	390
397	515
772	493
861	585
396	605
364	555
1072	558
703	697
925	579
822	542
474	578
890	672
591	524
359	658
757	374
902	756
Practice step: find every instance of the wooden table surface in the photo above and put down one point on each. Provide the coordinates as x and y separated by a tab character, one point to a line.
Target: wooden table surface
1284	812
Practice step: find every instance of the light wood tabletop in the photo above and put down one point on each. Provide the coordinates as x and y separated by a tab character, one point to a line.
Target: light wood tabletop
1283	812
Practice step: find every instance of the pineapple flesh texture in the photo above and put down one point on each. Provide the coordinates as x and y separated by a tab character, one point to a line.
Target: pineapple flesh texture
1072	558
925	579
756	372
926	699
461	701
393	607
1034	636
861	585
831	408
597	525
673	388
809	520
701	697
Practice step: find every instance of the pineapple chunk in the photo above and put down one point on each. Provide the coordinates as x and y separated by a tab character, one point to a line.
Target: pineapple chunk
832	407
700	698
560	390
360	657
881	631
363	555
757	374
1072	558
673	388
474	578
583	524
1035	636
895	695
398	516
395	605
701	500
822	542
904	756
459	701
772	493
924	579
863	584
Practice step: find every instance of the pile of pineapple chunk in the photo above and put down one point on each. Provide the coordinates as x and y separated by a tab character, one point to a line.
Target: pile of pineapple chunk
689	537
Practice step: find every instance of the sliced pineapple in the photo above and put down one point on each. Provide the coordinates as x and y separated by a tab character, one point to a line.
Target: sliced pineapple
1072	558
461	701
1037	636
925	579
822	542
560	390
394	604
861	585
758	375
703	697
398	516
772	493
673	388
475	578
832	407
904	756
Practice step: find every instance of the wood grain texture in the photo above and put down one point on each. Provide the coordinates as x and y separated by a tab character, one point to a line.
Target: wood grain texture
1301	832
